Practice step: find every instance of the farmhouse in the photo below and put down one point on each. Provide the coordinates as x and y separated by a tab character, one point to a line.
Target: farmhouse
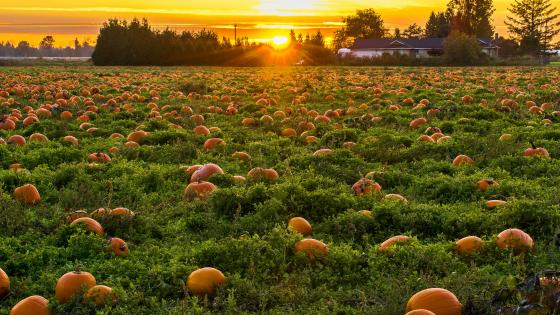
423	47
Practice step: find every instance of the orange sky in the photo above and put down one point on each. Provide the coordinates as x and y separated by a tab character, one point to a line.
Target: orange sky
258	19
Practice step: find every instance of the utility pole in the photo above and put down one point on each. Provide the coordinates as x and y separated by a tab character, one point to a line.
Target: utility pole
235	33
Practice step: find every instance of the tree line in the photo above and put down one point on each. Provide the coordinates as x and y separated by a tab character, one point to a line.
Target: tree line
136	43
46	48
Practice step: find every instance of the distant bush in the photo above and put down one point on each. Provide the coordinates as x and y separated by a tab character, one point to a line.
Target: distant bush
462	50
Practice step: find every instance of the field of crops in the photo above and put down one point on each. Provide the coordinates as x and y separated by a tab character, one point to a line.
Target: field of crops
361	154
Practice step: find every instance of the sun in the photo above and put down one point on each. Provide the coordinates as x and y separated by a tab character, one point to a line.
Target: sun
279	41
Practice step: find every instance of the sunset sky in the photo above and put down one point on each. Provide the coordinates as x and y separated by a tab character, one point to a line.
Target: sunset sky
258	19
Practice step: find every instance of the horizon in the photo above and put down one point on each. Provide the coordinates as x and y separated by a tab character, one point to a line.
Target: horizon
261	21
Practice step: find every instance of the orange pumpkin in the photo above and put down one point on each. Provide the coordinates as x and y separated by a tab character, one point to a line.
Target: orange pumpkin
495	203
121	211
311	247
300	225
462	160
321	152
198	190
72	283
16	140
33	305
420	312
418	122
532	151
241	155
118	246
396	197
205	281
27	194
201	130
99	157
384	247
426	138
91	225
76	215
100	212
204	172
4	284
137	136
514	239
469	245
100	295
366	213
259	173
365	186
38	137
289	132
484	184
436	300
66	115
70	139
213	143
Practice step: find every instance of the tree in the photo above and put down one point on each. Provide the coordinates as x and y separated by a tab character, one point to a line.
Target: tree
24	49
413	31
47	42
461	49
438	25
397	33
365	24
471	17
534	23
317	40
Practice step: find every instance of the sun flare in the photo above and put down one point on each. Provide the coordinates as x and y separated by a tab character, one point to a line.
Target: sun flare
280	41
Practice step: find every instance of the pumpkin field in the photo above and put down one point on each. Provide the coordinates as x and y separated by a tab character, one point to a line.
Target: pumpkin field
296	190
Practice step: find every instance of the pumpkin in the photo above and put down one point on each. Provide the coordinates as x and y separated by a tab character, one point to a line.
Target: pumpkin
366	213
484	184
426	138
532	151
437	300
514	239
462	160
258	174
116	136
418	122
91	225
100	295
248	122
131	145
191	169
72	283
118	246
467	99
70	139
300	225
4	284
66	115
16	140
213	143
437	135
420	312
197	119
99	157
121	211
137	136
76	215
33	305
495	203
384	247
311	247
469	245
239	179
321	152
396	197
198	190
201	130
27	194
244	156
205	281
289	132
38	137
204	172
365	186
505	137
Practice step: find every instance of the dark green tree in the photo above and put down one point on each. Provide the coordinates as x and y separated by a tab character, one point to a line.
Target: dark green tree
438	25
471	17
534	23
365	24
413	31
